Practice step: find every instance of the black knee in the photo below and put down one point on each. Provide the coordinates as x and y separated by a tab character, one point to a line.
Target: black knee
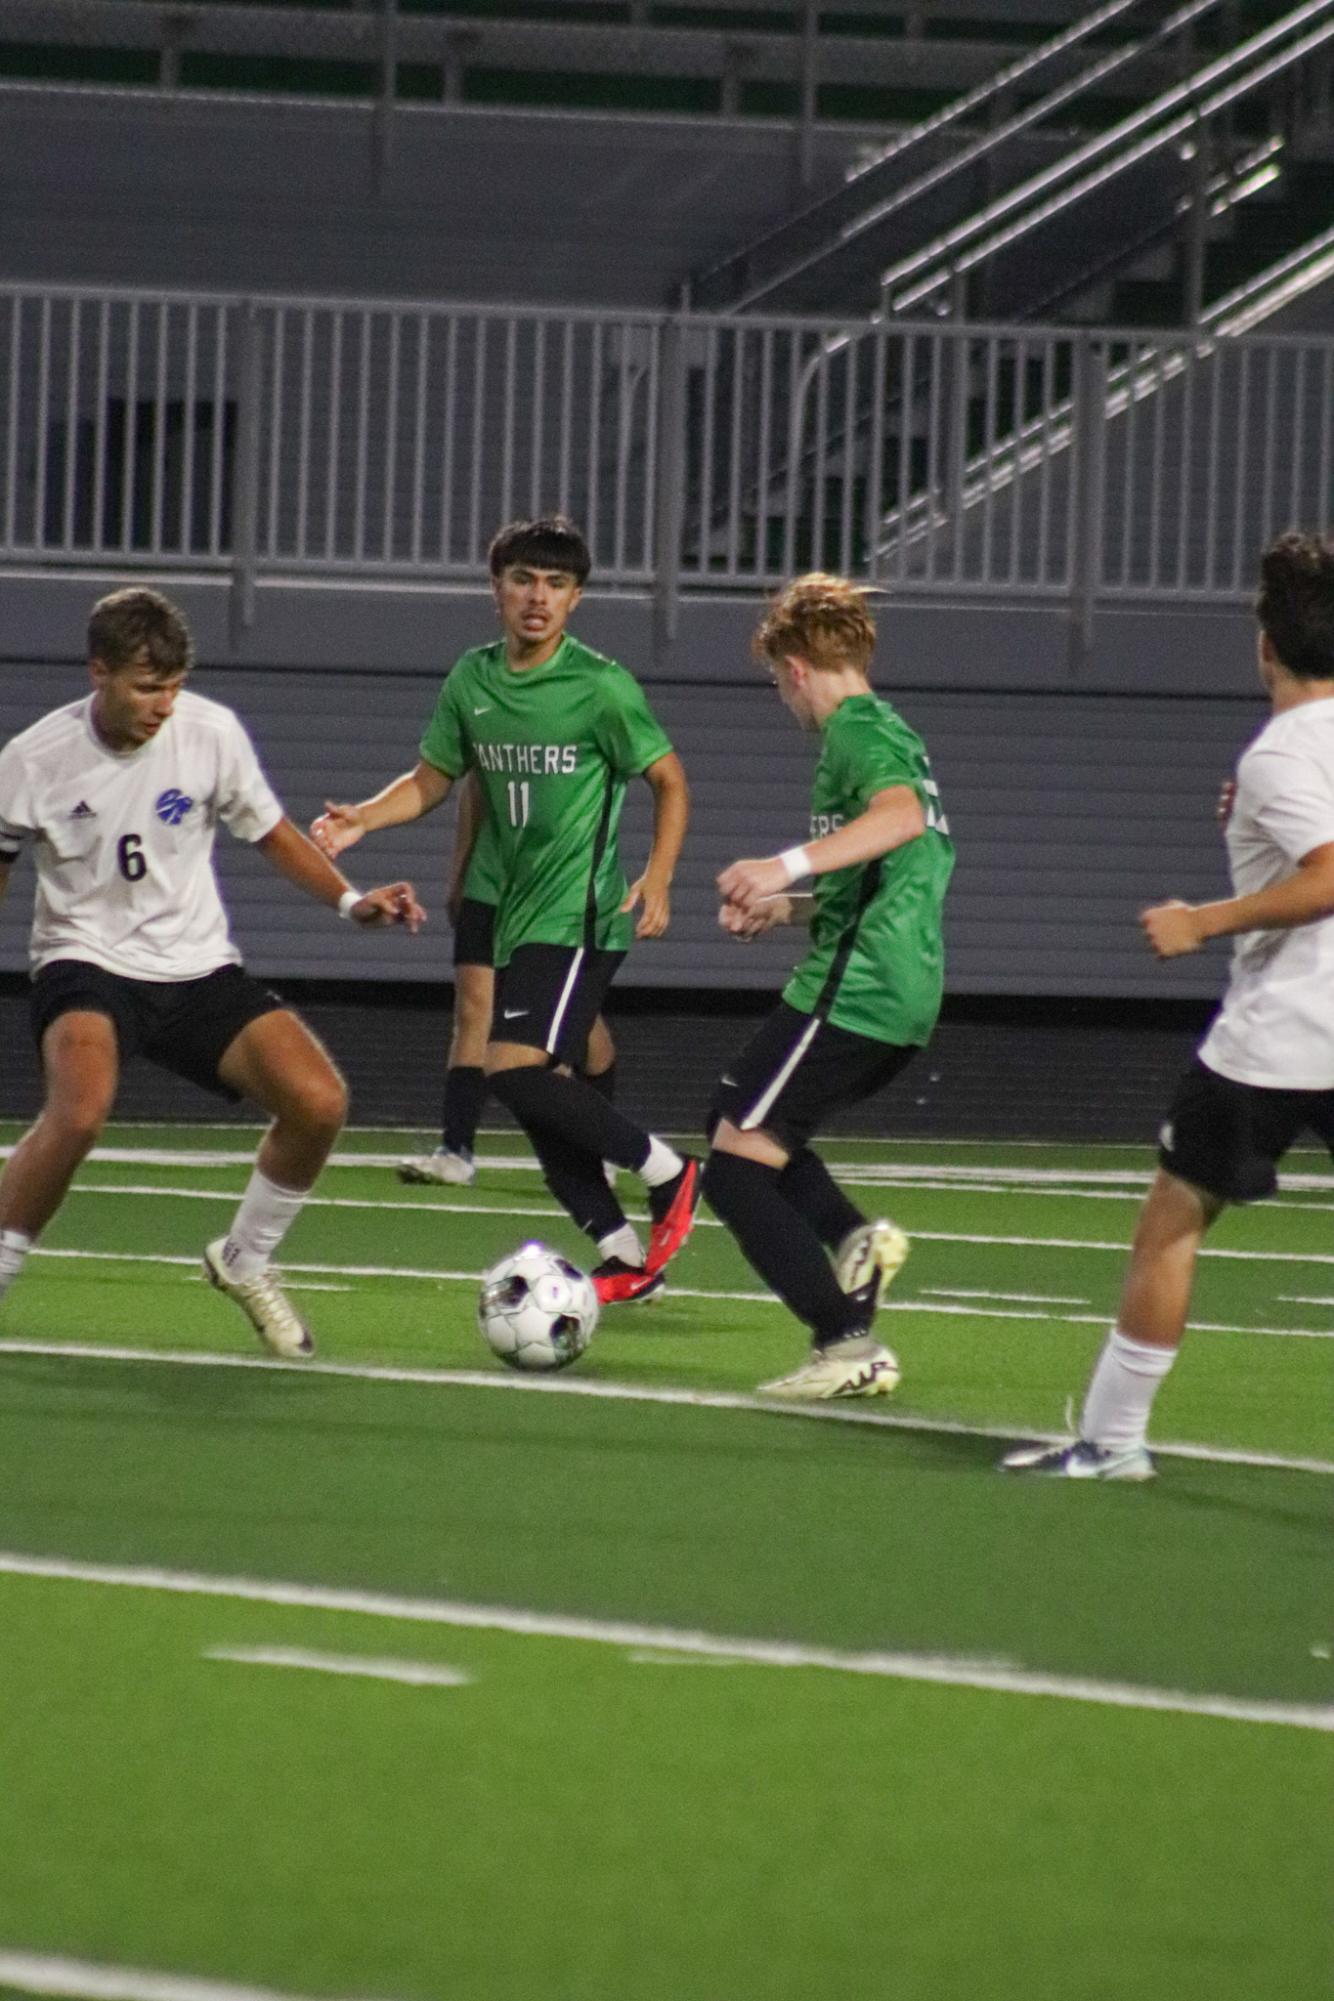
518	1088
727	1177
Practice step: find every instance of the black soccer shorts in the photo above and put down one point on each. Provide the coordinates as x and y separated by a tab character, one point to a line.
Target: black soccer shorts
185	1026
475	933
549	996
1228	1138
797	1069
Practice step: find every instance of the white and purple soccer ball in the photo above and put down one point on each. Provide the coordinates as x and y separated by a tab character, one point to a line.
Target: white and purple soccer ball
537	1311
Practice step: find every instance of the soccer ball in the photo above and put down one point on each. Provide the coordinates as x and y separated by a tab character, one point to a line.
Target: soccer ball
537	1310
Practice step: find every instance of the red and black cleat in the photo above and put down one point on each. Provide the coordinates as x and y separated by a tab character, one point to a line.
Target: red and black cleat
618	1284
672	1207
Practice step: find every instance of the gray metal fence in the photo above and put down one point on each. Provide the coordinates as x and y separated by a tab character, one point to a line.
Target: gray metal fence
304	437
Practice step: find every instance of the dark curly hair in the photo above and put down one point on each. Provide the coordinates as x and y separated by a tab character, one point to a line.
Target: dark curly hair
1295	606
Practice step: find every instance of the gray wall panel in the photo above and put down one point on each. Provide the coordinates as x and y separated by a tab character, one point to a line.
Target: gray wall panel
1070	813
478	202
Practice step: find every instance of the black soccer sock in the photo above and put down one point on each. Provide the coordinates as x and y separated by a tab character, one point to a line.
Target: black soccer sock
604	1083
575	1178
809	1186
465	1094
547	1101
780	1244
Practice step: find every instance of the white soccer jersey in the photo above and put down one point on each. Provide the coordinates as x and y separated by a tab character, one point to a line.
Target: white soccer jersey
123	840
1276	1024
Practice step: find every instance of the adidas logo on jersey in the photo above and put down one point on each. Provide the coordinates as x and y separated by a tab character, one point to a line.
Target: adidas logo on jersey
83	811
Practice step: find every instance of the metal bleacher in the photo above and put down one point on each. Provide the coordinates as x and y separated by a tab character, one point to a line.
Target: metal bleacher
1014	202
830	254
721	55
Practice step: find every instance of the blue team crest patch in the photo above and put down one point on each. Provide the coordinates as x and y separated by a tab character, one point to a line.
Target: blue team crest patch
172	806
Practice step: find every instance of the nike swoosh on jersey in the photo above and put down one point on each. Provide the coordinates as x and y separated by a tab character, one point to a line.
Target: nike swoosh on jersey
513	1013
485	709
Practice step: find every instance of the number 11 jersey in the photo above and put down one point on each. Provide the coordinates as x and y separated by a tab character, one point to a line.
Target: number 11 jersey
553	747
123	840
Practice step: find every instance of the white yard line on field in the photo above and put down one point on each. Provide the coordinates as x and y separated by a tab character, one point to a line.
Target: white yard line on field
599	1390
908	1180
1069	1179
1019	1298
81	1980
551	1212
675	1291
936	1669
413	1674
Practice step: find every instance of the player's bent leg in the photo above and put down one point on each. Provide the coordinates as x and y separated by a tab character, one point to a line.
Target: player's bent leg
539	1097
809	1186
278	1063
81	1064
548	1000
743	1182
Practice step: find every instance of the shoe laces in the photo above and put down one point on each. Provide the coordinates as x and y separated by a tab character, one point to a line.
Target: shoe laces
266	1291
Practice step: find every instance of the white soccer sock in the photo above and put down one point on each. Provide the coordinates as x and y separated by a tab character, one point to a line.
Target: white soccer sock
14	1248
1121	1391
622	1244
663	1164
266	1214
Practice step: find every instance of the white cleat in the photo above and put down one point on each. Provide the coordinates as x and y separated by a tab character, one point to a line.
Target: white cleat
873	1252
855	1367
264	1304
445	1166
1081	1461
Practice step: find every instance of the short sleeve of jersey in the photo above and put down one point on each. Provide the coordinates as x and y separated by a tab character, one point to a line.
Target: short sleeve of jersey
15	803
247	805
1290	794
873	752
629	735
442	743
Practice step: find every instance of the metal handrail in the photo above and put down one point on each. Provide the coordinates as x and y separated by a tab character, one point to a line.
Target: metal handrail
272	438
908	285
843	215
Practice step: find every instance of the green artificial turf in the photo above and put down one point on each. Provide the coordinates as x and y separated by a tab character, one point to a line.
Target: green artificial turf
600	1817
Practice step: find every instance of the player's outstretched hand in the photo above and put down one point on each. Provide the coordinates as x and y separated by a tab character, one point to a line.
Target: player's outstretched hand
1172	929
657	912
337	827
749	883
1227	799
392	903
748	924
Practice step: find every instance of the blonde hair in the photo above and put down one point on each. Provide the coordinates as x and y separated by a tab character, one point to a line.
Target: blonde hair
823	619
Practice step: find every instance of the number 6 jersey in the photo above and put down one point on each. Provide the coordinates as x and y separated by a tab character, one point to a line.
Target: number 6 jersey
123	840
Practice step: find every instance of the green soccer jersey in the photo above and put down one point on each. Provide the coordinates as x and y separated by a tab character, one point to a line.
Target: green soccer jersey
553	747
876	963
482	877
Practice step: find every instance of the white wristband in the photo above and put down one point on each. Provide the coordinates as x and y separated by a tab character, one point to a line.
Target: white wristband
796	862
346	901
